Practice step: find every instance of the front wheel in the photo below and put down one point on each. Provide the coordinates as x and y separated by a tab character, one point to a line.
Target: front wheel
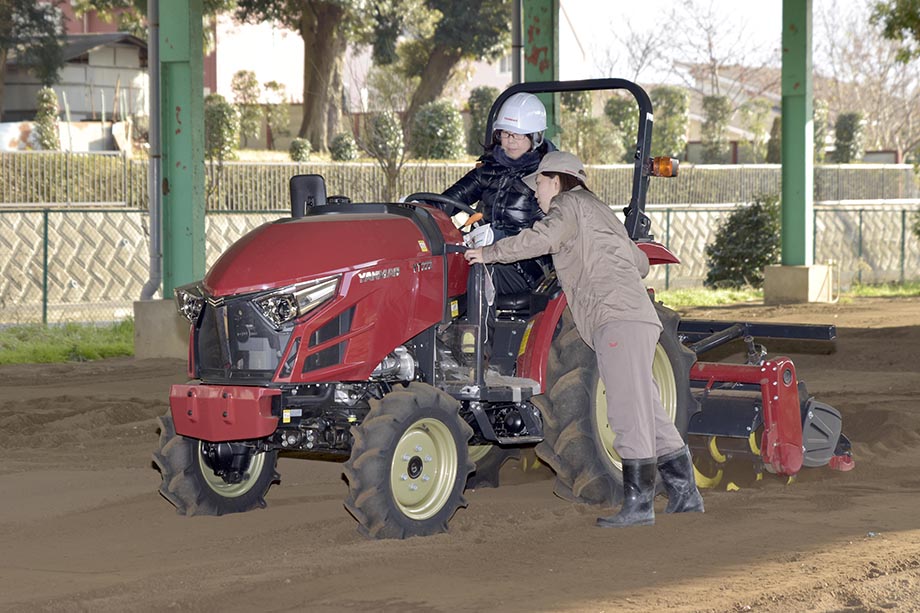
201	478
409	464
578	440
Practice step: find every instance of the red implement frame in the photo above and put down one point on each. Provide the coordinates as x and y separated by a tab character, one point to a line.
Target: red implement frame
781	445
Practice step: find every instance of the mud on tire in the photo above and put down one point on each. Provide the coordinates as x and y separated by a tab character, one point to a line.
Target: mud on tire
578	440
409	464
193	488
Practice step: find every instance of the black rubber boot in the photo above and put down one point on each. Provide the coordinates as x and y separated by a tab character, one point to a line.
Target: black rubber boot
638	495
676	470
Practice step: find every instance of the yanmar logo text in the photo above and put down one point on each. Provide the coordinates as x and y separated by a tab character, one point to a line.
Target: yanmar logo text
377	275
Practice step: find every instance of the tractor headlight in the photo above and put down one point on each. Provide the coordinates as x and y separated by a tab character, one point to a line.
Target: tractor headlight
288	303
189	301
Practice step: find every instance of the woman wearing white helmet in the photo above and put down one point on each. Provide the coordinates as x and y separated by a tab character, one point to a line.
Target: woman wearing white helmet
506	202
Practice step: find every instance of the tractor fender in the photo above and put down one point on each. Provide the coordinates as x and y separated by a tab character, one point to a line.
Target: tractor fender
657	253
538	337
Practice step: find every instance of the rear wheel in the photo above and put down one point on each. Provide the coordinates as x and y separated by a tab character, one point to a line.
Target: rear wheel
409	464
202	478
578	440
489	460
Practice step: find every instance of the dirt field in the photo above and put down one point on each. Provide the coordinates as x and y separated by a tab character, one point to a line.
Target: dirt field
82	527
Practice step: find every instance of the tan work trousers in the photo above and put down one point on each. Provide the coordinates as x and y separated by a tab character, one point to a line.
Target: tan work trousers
625	351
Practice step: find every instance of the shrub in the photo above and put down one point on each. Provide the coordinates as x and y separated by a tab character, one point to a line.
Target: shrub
277	112
300	150
672	117
848	138
592	139
246	92
622	113
480	102
745	242
437	131
46	119
221	128
343	147
385	137
821	130
717	111
775	144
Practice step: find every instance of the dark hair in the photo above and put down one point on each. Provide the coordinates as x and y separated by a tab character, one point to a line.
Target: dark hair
566	181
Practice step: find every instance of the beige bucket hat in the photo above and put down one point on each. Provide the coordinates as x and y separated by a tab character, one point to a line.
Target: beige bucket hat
558	161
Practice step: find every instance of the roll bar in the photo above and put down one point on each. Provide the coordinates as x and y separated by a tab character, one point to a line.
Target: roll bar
637	222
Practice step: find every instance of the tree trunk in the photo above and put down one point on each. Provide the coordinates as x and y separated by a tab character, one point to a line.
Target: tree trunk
434	78
336	99
323	43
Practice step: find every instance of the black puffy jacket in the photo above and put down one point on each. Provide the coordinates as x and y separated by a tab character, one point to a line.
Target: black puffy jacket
505	201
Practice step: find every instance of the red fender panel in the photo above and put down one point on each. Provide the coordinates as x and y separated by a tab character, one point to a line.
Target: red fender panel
657	253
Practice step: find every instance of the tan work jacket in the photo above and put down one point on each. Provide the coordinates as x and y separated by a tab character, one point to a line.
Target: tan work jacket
599	267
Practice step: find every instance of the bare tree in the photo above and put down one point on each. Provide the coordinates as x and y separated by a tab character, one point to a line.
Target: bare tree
642	51
860	74
711	54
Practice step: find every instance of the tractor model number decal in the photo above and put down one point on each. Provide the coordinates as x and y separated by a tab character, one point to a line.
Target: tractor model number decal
421	266
377	275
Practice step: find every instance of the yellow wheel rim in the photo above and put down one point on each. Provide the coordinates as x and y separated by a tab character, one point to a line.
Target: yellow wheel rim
423	469
478	452
663	375
231	490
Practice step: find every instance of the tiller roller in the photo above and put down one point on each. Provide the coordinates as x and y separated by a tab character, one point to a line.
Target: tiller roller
759	410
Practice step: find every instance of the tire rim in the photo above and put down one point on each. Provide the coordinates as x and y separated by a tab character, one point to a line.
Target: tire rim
231	490
478	452
424	469
663	374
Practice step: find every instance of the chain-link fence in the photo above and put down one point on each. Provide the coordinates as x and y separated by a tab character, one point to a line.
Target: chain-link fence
74	236
80	179
90	264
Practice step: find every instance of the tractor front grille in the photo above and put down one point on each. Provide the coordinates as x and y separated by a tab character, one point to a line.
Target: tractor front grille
235	343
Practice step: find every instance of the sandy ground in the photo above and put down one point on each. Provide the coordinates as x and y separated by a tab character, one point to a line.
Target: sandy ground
82	527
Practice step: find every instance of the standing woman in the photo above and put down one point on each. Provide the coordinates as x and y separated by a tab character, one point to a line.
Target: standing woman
506	202
601	271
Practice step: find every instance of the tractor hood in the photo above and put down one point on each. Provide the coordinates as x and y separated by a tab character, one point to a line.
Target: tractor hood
293	250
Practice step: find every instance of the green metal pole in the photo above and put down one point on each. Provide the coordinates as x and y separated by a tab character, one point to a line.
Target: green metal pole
798	134
182	129
541	53
45	267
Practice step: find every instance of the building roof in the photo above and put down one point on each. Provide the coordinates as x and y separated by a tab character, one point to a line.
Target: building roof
76	45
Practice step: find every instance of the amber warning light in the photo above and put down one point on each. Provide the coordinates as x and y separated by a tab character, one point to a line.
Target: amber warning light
663	167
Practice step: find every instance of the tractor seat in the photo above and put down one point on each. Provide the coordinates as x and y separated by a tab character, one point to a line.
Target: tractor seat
513	302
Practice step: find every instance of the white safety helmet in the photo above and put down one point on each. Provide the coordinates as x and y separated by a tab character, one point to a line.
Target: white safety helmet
522	114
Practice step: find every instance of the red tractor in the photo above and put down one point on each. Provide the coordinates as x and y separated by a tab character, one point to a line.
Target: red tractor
345	332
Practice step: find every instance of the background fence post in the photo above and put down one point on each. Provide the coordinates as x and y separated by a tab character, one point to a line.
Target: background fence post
903	241
859	249
667	243
45	267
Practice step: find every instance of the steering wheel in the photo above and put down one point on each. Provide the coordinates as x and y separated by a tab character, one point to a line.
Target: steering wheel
432	197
